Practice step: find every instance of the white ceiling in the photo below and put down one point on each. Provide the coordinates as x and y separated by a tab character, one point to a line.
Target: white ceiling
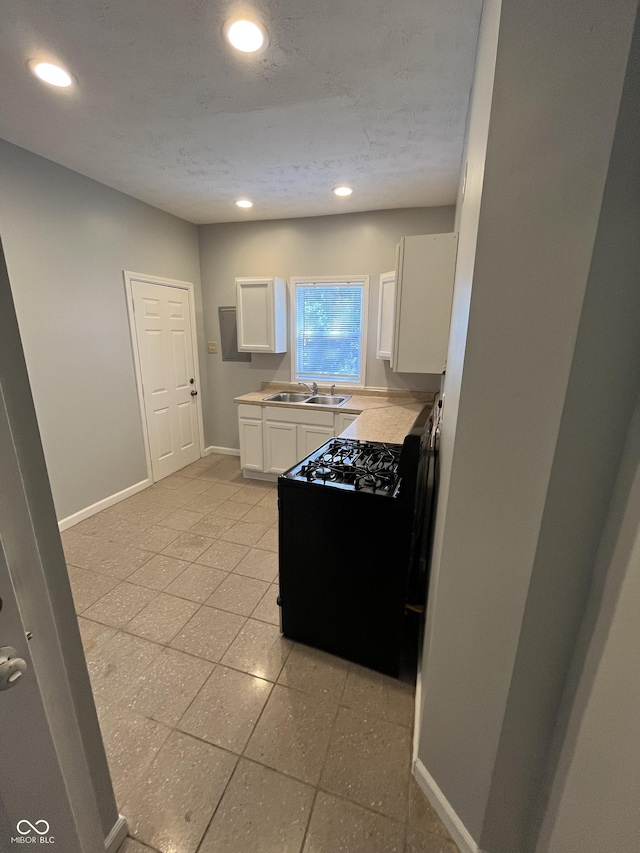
372	93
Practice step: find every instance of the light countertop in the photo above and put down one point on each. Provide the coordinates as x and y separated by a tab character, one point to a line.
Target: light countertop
383	417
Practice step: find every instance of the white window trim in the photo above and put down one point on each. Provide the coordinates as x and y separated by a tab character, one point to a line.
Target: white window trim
321	280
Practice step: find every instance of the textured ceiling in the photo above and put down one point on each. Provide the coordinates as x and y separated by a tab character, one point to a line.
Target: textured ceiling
372	93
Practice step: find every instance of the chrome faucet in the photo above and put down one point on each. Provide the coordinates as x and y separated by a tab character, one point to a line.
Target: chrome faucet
333	390
313	388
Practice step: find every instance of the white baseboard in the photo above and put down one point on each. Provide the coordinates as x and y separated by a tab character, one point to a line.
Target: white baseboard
118	833
88	511
444	809
226	451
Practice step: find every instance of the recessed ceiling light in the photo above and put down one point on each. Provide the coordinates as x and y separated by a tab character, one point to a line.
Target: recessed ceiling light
246	36
52	74
244	202
342	190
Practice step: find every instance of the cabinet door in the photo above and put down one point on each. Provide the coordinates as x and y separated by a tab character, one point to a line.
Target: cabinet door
280	446
312	437
343	421
424	290
255	314
251	451
386	315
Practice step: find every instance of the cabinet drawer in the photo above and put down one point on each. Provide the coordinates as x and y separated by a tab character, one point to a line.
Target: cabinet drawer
251	412
298	416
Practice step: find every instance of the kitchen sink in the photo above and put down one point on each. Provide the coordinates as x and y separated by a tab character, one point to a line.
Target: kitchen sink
328	400
287	397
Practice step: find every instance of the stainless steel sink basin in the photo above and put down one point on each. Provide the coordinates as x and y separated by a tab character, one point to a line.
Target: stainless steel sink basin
287	397
328	400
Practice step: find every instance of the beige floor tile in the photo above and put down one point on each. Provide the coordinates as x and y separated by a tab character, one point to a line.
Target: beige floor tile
208	634
244	533
111	527
188	547
221	491
120	605
373	693
422	816
418	842
259	649
292	734
162	618
248	495
165	690
270	499
130	845
259	564
131	743
116	665
155	538
158	572
314	672
196	583
172	803
260	811
269	541
226	709
191	471
88	587
146	516
204	503
337	826
173	481
93	634
232	510
267	609
212	526
238	594
194	487
223	555
105	557
182	519
368	763
261	514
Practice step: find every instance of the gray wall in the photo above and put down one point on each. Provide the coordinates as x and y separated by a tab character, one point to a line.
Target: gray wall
67	240
594	799
527	235
324	246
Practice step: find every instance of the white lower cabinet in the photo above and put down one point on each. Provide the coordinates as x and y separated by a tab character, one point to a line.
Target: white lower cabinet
251	445
274	438
312	437
280	446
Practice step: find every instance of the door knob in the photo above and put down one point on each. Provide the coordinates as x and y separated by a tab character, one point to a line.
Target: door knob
12	668
194	393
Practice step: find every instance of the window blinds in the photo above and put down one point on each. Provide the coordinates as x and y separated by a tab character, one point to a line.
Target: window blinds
329	331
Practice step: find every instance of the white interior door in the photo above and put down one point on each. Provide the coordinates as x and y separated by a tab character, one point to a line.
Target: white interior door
165	343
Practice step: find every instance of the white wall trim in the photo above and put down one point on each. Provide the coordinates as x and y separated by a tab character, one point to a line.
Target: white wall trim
226	451
444	809
130	277
88	511
117	835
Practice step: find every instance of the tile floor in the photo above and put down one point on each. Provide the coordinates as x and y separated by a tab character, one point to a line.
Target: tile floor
221	735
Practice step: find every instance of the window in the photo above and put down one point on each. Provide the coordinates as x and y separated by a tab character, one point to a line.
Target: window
329	329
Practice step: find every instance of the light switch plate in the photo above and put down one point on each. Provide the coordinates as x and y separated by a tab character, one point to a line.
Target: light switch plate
212	347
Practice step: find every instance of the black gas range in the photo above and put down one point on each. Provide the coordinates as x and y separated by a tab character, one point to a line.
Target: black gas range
350	520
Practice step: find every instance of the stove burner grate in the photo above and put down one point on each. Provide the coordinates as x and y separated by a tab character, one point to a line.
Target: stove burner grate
361	465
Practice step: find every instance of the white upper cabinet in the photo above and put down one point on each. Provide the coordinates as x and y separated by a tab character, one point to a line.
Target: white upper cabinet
261	314
386	315
424	290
